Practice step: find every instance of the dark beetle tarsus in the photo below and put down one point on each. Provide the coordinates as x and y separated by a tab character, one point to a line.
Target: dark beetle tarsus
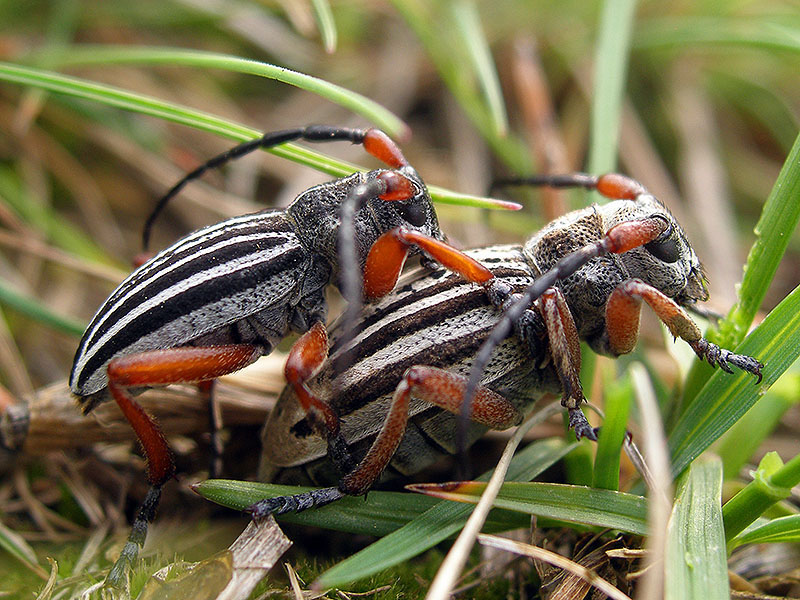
722	358
294	504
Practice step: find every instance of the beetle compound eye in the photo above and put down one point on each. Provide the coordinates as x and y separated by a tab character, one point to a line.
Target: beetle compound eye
665	250
665	247
413	213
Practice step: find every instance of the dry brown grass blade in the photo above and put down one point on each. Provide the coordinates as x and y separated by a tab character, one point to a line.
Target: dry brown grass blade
660	506
454	562
554	559
51	420
255	552
705	187
547	145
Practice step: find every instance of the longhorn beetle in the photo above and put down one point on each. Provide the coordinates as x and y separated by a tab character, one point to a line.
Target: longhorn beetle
582	277
219	298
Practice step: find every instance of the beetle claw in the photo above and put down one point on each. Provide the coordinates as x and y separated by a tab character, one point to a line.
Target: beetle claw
722	358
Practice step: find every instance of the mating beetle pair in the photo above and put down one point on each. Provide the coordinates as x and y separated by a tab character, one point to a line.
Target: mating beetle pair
219	298
222	296
414	350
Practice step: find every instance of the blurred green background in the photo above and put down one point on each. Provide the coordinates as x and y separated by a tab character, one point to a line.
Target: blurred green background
697	100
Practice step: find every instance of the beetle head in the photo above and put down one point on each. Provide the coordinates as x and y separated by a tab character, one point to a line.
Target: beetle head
416	212
669	262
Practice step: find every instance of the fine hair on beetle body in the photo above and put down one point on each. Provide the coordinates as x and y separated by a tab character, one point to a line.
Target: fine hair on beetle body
222	296
439	345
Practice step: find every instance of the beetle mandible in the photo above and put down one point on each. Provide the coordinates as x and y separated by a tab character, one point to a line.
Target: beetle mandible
222	296
582	277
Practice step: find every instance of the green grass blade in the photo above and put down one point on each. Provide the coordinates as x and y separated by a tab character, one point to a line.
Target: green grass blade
743	439
142	104
718	33
772	482
579	464
443	196
109	55
725	398
449	56
779	219
783	529
610	71
573	503
437	524
618	394
14	544
33	308
696	560
379	514
467	22
327	26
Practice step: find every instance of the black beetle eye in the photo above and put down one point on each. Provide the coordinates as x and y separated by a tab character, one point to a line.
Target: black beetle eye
664	249
413	213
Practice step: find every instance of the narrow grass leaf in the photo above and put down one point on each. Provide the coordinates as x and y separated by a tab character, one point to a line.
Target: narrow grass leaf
447	53
142	104
327	26
443	196
779	219
468	25
578	465
574	503
696	560
36	310
743	439
772	482
437	524
610	72
725	398
108	55
617	395
718	33
16	546
379	514
783	529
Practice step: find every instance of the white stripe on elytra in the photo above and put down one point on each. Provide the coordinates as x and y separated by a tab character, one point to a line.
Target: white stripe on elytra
201	278
196	238
144	282
418	287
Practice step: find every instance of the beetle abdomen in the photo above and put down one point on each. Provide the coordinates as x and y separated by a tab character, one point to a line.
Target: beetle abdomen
196	289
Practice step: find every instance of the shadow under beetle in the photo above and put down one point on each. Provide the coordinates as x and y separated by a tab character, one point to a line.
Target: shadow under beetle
438	338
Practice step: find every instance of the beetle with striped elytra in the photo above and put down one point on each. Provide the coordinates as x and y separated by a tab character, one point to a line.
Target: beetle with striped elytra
223	296
414	356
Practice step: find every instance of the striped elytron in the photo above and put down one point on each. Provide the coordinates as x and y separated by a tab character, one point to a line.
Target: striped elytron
416	352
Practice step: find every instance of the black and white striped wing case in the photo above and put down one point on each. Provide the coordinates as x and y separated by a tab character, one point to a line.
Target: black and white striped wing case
236	281
432	318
